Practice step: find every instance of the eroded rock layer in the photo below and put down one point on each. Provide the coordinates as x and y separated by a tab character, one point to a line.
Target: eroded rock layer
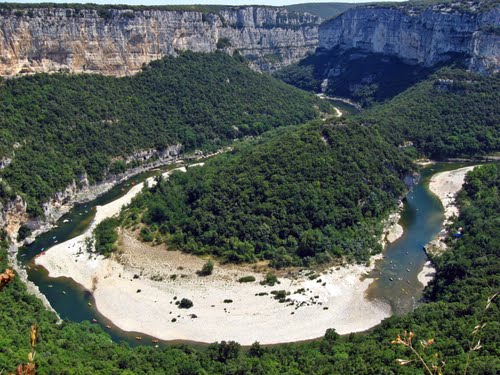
120	41
420	36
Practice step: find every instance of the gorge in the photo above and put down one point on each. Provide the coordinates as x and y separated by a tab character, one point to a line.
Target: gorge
168	196
121	40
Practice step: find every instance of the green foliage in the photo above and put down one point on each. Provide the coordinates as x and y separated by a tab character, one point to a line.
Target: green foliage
452	114
246	279
270	279
100	8
294	197
366	78
207	269
223	43
24	231
58	126
414	6
466	276
105	236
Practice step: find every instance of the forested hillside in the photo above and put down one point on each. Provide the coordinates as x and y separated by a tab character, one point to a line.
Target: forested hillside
457	301
57	126
452	114
294	197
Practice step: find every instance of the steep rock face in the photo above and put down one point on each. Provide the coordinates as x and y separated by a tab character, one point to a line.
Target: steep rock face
119	42
12	215
425	37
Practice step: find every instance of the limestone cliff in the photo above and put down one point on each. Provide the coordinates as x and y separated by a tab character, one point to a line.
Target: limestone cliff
424	36
119	41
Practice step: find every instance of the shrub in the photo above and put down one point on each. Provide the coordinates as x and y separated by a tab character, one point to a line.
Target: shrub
185	304
270	279
146	234
207	269
223	43
279	294
105	234
247	279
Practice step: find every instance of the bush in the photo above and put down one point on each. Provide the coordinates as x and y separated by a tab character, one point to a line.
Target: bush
223	43
247	279
106	235
146	234
270	279
279	294
185	304
207	269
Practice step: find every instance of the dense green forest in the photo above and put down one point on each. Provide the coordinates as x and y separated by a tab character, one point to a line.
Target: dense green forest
294	194
467	275
294	197
454	113
450	113
57	126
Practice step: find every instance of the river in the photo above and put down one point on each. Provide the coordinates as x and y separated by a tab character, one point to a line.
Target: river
395	275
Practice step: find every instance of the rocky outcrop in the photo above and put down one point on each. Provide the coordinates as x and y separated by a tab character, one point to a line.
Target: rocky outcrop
120	41
12	215
164	155
6	278
15	214
392	229
420	36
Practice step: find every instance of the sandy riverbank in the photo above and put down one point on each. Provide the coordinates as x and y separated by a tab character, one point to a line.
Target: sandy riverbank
62	259
135	289
445	185
427	274
336	299
392	229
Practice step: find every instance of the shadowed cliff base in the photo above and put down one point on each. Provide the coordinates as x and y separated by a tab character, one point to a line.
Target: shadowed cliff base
364	77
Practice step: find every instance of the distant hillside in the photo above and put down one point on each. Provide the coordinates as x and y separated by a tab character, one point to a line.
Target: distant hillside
323	10
445	113
365	78
454	113
55	127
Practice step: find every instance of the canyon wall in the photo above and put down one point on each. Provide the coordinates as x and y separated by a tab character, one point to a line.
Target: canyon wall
420	36
119	41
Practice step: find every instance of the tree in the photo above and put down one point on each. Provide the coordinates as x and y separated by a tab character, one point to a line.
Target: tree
185	303
224	351
207	269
